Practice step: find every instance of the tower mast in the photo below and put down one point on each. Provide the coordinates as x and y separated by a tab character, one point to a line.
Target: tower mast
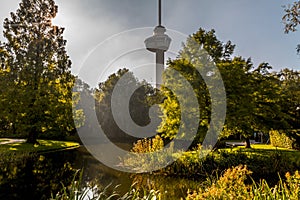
159	43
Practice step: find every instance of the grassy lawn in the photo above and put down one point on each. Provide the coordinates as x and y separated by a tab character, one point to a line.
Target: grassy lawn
256	147
256	150
44	146
266	150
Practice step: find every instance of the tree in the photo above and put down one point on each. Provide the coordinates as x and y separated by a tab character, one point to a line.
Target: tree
140	102
291	19
251	93
189	56
290	102
38	67
289	82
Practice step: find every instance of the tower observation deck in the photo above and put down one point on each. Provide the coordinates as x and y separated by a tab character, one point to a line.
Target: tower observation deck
159	43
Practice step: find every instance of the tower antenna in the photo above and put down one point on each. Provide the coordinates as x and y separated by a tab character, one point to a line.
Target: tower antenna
159	12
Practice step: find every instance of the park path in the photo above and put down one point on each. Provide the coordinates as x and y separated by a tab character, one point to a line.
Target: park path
9	140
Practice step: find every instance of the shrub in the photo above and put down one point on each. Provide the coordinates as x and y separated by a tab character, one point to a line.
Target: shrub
148	154
263	164
232	186
280	139
148	145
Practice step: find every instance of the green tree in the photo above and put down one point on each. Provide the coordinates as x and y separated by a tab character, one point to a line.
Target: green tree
251	93
39	90
191	53
139	104
290	96
289	82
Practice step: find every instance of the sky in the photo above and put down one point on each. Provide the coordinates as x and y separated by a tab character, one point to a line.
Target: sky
105	35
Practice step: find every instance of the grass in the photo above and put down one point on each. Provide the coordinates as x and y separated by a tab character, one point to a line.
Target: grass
262	147
265	149
44	146
256	149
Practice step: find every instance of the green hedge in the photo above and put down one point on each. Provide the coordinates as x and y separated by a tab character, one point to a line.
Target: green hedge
280	139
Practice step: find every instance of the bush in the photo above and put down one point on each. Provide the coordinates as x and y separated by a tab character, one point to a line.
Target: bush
280	139
232	185
148	154
264	164
148	145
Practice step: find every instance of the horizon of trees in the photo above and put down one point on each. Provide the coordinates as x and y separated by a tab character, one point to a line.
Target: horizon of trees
37	97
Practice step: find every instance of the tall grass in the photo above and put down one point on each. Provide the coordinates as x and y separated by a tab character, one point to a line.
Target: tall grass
232	185
76	191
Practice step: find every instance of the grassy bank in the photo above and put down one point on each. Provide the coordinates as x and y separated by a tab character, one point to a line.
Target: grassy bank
43	146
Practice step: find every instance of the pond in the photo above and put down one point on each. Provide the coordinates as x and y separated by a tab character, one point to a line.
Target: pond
174	187
44	175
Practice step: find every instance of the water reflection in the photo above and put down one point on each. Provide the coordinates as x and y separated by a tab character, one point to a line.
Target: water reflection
31	176
170	187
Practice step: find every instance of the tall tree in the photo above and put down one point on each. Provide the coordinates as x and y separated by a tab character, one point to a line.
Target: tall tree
251	93
39	70
139	104
196	49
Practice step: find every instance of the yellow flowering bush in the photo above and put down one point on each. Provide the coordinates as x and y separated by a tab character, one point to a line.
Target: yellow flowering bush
232	186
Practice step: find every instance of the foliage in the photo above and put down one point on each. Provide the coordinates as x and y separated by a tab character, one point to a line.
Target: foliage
232	185
264	161
172	111
37	92
148	154
139	104
235	183
148	145
280	139
252	93
290	96
291	17
288	189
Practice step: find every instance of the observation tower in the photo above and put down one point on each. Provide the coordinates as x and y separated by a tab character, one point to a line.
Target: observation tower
159	43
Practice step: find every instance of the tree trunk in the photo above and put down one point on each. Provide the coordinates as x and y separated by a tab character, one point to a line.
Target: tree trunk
33	120
32	138
248	145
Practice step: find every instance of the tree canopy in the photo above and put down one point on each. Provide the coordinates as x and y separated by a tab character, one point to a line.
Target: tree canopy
254	95
37	94
140	102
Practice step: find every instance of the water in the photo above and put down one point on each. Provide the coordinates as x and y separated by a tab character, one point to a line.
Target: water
36	177
170	187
